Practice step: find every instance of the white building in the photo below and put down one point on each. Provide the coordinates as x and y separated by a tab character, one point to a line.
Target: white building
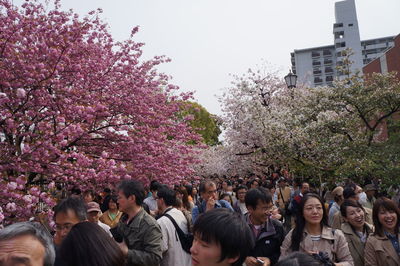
317	66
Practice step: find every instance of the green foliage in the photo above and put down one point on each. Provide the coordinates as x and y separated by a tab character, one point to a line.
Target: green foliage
202	122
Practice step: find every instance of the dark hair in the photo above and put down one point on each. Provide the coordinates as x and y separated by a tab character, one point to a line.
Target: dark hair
89	192
254	195
211	227
223	195
107	190
72	203
251	182
189	189
76	191
36	230
154	185
185	199
88	244
348	192
167	194
204	184
299	259
270	186
297	235
114	198
386	204
241	187
349	203
132	187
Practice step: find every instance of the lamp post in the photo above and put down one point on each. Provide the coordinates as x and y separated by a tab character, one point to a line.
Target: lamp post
291	80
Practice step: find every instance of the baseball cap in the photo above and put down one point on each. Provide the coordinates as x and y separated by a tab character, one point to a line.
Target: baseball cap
93	206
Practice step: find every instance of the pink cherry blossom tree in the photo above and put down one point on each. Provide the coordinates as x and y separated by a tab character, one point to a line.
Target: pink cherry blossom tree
80	108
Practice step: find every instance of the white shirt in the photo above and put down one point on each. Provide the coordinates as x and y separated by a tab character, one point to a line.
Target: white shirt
151	202
105	227
171	247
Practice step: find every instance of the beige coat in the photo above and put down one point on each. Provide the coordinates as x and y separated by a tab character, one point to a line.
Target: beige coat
379	251
338	219
286	196
334	244
105	218
356	247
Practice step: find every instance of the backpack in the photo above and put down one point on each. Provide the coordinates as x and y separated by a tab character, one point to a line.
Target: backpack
186	239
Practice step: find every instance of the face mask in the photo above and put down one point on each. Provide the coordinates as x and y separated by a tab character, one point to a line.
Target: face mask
229	193
363	198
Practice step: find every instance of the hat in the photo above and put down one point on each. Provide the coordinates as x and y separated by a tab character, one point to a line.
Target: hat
369	187
93	206
338	191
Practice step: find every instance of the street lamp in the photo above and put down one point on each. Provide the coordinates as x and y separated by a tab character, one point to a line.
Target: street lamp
291	80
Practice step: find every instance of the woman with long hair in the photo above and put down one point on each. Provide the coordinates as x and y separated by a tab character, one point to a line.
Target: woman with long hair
88	244
355	229
382	247
112	215
182	194
312	235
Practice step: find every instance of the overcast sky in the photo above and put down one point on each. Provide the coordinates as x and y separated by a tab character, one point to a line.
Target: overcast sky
209	39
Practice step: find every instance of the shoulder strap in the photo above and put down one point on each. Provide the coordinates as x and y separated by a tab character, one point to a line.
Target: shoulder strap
280	191
178	229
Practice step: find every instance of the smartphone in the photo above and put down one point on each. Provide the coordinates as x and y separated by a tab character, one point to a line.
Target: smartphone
260	261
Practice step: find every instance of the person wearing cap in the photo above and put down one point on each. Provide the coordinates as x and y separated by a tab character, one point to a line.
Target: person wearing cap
94	213
351	192
337	194
370	190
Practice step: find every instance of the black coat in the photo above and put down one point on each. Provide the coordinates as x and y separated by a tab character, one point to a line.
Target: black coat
268	244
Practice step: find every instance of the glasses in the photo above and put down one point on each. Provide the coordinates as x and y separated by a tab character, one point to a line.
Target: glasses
211	192
60	228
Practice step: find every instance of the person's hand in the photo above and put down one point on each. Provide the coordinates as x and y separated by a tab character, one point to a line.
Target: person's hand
252	261
123	247
210	204
267	261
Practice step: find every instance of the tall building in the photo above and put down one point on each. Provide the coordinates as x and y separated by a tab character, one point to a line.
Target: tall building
317	66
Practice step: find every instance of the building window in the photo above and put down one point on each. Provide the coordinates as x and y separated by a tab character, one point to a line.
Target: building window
328	70
327	61
339	35
329	79
351	25
327	53
316	63
340	44
318	80
317	71
315	54
338	25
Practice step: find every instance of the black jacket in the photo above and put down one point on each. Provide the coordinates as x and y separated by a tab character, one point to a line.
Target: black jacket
269	241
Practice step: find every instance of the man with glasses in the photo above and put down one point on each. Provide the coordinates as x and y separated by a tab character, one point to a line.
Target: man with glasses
209	199
268	233
67	213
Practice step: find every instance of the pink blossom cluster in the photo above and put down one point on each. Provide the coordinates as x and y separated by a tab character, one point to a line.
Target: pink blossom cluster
80	108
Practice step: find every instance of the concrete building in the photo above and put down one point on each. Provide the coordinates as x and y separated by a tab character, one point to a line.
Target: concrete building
317	66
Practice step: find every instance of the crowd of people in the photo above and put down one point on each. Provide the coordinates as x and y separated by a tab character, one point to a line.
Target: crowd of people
219	221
